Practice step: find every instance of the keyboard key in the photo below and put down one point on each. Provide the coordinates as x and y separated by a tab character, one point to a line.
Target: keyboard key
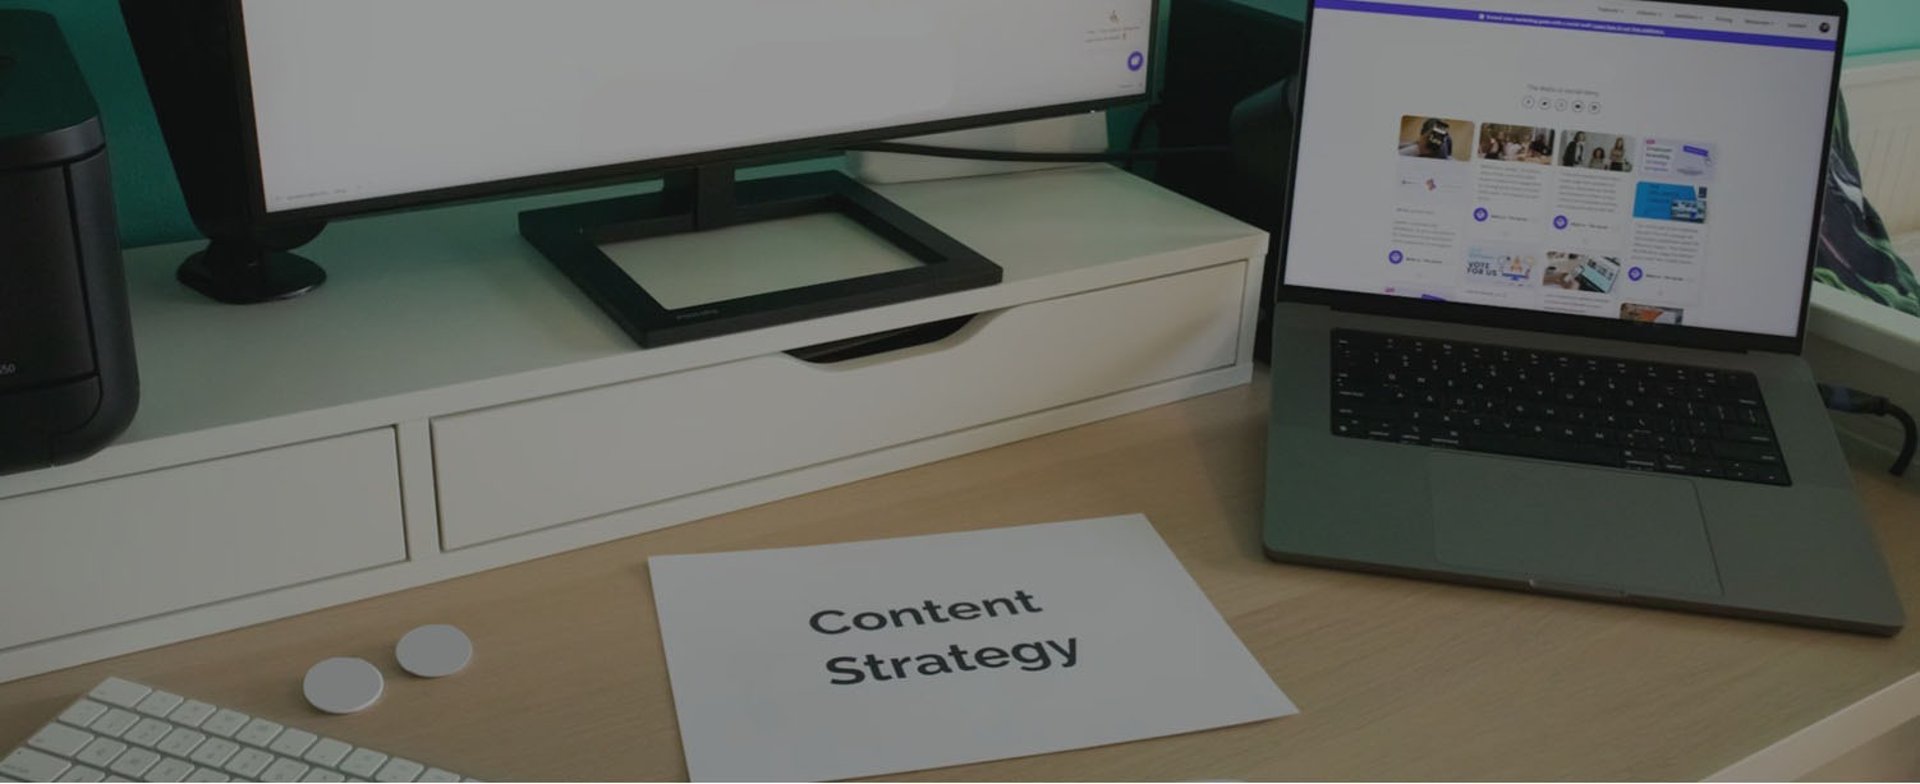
1677	464
398	770
438	775
258	732
191	713
82	773
1348	427
114	691
82	713
322	774
115	722
363	763
180	742
1756	472
284	770
248	763
1745	452
224	723
159	704
134	763
149	732
207	774
101	752
327	752
59	739
1545	450
214	753
292	743
31	765
169	769
1379	430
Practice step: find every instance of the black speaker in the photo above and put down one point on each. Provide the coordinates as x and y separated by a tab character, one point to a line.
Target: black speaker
1228	69
186	53
68	383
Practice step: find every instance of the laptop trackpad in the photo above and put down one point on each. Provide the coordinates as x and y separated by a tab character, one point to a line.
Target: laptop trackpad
1591	528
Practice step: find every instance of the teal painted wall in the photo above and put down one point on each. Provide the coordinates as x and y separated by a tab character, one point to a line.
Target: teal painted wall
1883	26
150	206
151	209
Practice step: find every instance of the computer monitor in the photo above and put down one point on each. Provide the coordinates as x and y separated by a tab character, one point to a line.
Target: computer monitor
348	107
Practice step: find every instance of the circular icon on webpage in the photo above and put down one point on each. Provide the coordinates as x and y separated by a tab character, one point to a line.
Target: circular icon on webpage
1826	27
1527	102
1560	105
1593	108
1396	257
1579	107
1562	223
1636	274
1136	61
1481	215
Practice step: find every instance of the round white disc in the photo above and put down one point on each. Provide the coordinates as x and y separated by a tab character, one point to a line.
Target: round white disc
343	685
434	651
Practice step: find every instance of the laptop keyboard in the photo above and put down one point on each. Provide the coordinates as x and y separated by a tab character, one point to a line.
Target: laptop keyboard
1575	408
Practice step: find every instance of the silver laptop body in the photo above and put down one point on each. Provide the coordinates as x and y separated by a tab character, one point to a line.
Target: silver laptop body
1558	351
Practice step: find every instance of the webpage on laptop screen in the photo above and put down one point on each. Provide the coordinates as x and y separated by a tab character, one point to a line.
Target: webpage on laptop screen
1606	158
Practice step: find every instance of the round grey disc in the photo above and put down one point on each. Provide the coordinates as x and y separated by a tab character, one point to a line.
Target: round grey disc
434	651
343	685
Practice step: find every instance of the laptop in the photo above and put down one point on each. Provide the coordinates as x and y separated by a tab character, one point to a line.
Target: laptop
1556	347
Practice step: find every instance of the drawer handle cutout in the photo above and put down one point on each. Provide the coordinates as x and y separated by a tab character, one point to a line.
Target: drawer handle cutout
883	342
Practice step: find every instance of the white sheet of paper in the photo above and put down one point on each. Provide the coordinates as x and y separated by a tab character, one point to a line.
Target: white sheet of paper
754	680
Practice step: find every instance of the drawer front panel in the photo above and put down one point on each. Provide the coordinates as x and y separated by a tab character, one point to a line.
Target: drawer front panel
93	555
528	466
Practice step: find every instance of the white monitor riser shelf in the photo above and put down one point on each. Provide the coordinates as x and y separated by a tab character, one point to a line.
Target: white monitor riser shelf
449	403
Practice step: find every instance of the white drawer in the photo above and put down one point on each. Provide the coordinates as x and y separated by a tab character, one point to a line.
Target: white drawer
528	466
93	555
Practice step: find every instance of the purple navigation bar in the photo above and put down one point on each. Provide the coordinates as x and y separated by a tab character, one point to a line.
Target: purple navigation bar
1581	25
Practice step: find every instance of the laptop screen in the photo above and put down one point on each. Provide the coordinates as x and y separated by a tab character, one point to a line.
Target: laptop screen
1615	159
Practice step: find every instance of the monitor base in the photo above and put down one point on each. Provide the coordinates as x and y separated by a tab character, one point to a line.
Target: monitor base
243	273
708	198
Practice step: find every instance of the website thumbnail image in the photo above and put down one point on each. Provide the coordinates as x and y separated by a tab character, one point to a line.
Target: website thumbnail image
1435	138
1602	151
1516	144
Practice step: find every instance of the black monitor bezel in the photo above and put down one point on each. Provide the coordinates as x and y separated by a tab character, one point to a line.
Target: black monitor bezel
1580	326
628	171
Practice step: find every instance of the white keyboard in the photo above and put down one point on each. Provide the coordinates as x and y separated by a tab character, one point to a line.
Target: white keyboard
123	731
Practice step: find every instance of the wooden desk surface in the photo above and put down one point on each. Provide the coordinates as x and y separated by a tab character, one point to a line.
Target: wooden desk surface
1397	679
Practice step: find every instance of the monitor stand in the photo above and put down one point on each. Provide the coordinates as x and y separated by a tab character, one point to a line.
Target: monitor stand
245	271
708	198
